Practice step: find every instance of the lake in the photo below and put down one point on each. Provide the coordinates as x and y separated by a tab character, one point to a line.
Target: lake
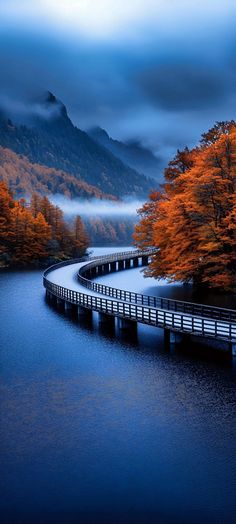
101	426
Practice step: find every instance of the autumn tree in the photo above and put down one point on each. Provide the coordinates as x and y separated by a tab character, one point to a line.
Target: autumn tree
23	237
80	240
182	161
35	233
192	222
6	234
66	240
31	236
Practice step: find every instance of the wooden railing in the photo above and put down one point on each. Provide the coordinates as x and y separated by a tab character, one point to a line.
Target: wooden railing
185	317
201	310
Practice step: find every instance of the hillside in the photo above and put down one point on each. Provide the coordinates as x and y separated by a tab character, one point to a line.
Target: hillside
132	153
23	178
51	139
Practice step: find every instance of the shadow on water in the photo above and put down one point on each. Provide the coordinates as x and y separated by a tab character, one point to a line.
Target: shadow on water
190	294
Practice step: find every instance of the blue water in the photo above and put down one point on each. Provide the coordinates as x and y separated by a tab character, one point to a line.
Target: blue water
103	427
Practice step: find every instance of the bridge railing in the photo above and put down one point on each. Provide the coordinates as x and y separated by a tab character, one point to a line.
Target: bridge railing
147	315
106	258
201	310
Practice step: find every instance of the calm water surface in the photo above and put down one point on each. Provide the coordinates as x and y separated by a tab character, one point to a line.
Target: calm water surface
102	427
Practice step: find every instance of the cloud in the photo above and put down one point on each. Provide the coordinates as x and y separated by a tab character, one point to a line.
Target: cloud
105	19
24	110
97	208
158	71
181	87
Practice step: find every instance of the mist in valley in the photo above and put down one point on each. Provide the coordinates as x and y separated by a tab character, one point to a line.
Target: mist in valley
107	222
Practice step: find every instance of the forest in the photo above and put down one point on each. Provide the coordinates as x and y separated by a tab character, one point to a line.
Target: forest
24	177
192	219
35	234
110	231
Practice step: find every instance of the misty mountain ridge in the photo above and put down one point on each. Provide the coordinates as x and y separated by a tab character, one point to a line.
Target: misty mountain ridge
24	178
132	153
50	113
50	139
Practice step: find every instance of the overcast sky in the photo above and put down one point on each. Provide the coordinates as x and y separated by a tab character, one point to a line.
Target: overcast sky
159	70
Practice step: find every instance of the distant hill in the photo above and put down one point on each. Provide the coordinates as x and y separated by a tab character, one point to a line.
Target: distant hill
51	139
24	178
132	153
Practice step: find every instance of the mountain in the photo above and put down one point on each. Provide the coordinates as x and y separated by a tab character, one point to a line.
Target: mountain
25	178
131	153
51	139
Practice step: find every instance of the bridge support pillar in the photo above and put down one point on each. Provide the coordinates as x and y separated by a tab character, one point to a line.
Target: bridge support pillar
60	302
105	319
127	324
72	308
98	270
84	312
127	263
135	262
145	261
120	265
167	338
93	273
112	267
171	338
232	348
51	297
106	268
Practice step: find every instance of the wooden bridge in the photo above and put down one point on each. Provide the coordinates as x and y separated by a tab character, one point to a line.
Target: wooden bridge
175	317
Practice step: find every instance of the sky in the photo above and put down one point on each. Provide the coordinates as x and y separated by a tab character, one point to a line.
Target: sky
161	71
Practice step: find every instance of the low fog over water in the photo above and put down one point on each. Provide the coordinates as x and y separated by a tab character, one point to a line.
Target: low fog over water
96	207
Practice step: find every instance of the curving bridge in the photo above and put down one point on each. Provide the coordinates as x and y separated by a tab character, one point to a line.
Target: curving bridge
85	294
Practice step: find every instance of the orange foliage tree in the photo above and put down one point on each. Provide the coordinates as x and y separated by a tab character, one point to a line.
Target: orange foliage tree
23	237
192	221
67	240
36	233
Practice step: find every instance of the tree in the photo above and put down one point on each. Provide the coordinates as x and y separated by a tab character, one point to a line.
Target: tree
80	238
36	233
31	236
182	161
219	129
6	233
193	221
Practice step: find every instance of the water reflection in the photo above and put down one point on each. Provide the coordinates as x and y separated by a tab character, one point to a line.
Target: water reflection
96	427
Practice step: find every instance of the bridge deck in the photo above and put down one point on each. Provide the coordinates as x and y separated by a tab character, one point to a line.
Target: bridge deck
63	283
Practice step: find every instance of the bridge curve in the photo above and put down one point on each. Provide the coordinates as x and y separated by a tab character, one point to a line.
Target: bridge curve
172	315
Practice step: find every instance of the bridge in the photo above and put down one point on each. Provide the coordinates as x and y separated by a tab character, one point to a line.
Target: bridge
178	318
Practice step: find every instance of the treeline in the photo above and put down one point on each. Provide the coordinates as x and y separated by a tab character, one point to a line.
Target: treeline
36	233
107	231
192	221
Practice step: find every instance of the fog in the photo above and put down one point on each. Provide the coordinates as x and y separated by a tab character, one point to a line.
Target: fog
95	207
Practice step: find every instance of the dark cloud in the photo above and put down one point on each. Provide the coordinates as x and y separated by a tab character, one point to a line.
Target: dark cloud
182	87
164	88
